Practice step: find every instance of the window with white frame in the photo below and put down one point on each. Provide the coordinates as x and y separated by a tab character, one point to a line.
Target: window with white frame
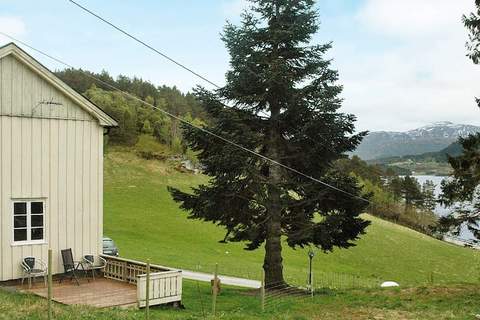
28	221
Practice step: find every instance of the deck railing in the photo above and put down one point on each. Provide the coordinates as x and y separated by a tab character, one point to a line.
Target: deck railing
165	287
127	270
165	283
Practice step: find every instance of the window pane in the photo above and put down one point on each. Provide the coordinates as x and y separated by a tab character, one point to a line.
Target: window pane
37	220
37	233
20	208
20	235
20	221
37	207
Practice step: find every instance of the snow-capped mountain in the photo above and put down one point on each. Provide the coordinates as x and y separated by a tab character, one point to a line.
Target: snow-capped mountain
443	129
429	138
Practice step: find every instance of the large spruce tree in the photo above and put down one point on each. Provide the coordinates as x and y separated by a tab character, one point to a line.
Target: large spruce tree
283	102
472	23
462	191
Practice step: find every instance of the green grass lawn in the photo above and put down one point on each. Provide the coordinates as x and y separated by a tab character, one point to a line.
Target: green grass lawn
146	223
432	303
141	217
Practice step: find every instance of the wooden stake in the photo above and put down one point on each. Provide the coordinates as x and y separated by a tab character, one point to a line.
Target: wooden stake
262	291
312	286
215	290
49	270
147	294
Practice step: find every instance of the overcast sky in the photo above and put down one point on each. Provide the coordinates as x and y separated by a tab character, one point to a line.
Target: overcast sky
402	63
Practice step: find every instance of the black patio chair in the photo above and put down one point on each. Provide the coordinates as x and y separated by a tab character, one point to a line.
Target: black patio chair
70	266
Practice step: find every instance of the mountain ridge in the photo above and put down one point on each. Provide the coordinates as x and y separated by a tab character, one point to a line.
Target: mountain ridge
429	138
452	150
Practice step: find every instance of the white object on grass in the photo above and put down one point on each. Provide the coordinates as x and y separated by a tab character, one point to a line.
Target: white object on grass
388	284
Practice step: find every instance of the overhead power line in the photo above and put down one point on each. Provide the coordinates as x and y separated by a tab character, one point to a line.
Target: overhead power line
187	122
181	65
162	54
145	44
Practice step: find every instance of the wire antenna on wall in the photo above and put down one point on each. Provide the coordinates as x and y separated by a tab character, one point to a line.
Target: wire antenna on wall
46	102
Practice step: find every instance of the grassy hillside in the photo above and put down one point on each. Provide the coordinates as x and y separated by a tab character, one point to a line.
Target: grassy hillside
141	217
433	303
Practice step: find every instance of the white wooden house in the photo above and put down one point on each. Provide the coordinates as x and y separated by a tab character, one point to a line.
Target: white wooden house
51	165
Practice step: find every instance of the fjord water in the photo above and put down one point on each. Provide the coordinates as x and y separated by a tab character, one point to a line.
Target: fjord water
441	210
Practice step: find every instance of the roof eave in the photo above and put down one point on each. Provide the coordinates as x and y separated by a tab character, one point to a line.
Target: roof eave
103	118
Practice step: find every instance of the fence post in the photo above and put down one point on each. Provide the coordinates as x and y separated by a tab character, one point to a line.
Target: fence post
312	286
262	291
215	290
49	270
147	294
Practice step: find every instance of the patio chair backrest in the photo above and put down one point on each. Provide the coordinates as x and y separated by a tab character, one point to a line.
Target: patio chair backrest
90	258
29	262
95	261
67	258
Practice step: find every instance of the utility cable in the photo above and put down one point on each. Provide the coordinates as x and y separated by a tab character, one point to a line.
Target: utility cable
181	65
189	123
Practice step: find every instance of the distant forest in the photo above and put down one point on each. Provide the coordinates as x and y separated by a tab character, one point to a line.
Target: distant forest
134	117
398	199
453	150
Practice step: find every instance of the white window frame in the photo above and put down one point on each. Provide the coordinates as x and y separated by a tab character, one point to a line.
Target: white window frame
29	221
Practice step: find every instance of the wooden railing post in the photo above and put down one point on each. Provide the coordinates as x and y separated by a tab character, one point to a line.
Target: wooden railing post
50	313
147	294
124	273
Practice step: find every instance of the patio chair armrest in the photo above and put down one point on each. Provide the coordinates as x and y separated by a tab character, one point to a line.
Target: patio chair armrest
42	264
86	261
104	261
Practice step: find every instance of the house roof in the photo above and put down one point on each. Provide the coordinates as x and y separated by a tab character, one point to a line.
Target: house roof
103	118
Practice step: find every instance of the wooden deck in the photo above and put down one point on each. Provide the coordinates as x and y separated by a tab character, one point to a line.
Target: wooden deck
99	293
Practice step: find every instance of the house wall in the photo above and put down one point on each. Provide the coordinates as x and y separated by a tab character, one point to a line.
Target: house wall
52	152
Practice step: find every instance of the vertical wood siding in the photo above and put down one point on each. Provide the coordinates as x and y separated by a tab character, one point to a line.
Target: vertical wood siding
52	152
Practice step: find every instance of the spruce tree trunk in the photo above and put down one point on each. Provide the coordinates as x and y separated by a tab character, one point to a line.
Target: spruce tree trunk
272	264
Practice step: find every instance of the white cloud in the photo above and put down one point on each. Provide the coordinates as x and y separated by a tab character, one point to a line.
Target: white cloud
414	17
419	73
232	9
13	26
